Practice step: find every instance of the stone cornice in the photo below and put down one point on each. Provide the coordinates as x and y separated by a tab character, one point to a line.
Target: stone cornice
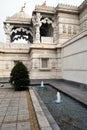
42	46
18	20
44	9
14	51
67	9
83	5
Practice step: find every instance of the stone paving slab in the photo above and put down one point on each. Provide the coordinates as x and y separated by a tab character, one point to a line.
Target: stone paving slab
24	126
23	117
14	114
1	118
8	126
10	118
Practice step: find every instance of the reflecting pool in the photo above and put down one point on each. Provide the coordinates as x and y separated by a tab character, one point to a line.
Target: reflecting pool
69	114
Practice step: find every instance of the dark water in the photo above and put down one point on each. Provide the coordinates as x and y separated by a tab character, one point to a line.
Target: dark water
69	114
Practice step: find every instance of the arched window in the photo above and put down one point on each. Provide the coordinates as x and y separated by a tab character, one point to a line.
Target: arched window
21	35
46	30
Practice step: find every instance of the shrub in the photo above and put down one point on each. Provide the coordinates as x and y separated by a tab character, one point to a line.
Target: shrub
19	77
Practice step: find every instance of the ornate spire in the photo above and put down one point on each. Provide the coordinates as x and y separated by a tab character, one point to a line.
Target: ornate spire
22	8
44	3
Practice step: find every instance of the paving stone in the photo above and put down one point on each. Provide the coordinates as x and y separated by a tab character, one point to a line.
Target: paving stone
10	118
2	113
13	105
12	108
1	118
23	107
23	111
3	109
23	117
23	126
8	127
11	113
46	128
14	113
4	104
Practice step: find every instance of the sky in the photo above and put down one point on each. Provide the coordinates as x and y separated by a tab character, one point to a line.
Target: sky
10	7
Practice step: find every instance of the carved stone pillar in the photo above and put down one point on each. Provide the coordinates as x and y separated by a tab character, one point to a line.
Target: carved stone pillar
8	38
37	34
36	23
54	32
8	28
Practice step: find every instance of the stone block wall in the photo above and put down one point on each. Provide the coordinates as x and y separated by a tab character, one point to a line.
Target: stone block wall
74	58
9	57
67	22
38	53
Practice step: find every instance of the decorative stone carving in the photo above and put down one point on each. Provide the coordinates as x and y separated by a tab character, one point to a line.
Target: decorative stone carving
8	28
84	25
54	32
36	23
64	29
36	19
23	30
36	65
74	29
46	20
69	29
53	64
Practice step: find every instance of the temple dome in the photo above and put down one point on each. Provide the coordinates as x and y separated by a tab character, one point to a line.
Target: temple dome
20	17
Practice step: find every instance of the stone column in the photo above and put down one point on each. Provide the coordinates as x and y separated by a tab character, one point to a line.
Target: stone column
36	23
8	28
37	34
8	38
54	32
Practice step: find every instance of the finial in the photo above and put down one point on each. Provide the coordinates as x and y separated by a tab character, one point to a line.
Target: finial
44	3
22	8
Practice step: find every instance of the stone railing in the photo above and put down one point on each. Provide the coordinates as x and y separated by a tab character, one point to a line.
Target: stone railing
46	39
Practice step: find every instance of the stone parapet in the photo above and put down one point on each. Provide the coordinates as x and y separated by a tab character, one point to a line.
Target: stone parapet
44	9
67	8
83	5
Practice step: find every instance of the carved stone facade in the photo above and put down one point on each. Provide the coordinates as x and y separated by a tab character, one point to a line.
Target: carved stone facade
17	27
44	35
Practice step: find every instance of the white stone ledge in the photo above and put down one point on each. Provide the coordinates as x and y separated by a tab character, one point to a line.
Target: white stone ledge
45	69
42	120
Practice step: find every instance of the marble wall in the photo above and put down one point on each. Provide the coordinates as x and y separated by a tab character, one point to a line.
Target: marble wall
36	69
74	55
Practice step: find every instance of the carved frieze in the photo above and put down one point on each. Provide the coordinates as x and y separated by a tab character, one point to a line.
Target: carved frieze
53	64
36	63
8	28
64	28
74	29
36	19
69	29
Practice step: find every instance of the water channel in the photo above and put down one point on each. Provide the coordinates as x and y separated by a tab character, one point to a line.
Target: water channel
69	114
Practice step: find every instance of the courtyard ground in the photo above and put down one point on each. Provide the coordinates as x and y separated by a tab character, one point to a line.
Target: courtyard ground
16	108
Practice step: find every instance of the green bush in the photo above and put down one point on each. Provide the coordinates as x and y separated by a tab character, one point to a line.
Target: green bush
19	77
